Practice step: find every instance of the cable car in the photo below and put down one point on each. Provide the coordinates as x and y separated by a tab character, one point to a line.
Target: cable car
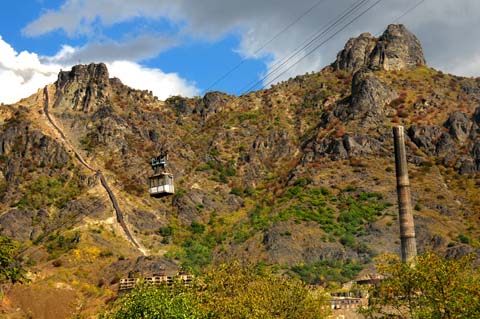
161	182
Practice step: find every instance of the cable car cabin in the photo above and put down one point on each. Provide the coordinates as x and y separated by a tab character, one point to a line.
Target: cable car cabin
161	185
161	182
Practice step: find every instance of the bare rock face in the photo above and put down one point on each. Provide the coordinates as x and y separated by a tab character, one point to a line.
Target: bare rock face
356	53
369	94
396	49
212	103
84	88
458	125
369	100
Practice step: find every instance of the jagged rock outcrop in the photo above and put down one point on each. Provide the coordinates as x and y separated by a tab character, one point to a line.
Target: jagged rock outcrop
369	99
356	53
369	94
212	103
461	131
458	125
83	88
396	49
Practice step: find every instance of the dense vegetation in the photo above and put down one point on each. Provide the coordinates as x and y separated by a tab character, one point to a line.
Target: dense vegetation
227	291
432	287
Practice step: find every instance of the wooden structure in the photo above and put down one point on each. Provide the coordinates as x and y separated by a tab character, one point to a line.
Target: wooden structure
127	284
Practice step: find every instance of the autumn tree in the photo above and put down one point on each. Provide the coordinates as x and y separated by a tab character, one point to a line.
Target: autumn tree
233	292
226	291
433	288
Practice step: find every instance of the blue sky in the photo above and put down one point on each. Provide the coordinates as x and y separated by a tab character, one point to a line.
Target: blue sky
184	46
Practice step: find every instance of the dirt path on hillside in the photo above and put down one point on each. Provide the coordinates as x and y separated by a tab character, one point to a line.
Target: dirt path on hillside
100	175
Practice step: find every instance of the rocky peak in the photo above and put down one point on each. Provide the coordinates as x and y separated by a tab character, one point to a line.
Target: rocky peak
356	53
84	87
396	49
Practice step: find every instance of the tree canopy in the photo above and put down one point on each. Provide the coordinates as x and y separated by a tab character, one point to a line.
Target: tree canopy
227	291
432	287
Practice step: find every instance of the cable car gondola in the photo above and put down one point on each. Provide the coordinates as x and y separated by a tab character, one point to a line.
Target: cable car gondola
161	182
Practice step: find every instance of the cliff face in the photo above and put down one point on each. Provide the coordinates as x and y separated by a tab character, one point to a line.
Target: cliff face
84	88
396	49
300	175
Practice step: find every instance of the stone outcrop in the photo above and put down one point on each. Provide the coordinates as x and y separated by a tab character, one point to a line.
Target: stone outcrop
369	94
84	88
356	53
369	100
212	103
461	130
396	49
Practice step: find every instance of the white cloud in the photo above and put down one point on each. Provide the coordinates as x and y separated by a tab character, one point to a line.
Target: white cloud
438	24
161	84
135	49
22	74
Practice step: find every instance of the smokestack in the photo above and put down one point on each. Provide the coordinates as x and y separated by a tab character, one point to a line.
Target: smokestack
407	229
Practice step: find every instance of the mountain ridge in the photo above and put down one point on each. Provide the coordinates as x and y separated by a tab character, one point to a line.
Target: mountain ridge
298	176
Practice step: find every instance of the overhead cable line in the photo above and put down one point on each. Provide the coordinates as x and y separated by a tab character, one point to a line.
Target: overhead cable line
325	41
409	10
403	14
258	50
406	12
309	42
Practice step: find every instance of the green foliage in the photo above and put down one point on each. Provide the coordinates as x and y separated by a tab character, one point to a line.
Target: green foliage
327	270
197	228
166	231
226	291
248	116
87	143
319	205
464	239
49	191
58	244
149	302
255	292
11	269
432	288
359	209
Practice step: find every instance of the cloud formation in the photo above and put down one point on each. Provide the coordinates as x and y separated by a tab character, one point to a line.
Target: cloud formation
438	24
22	74
136	49
161	84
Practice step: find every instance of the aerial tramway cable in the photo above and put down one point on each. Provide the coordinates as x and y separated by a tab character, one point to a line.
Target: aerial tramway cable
307	43
323	42
258	50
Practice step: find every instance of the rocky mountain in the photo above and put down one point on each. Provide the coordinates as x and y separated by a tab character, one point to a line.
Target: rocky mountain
299	176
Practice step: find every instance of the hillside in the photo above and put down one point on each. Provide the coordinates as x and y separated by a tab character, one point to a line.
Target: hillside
299	176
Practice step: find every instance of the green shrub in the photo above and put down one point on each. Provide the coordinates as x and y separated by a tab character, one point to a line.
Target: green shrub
327	270
49	191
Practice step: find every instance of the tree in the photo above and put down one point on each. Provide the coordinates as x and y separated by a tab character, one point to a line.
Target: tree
11	269
233	292
150	302
432	287
226	291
